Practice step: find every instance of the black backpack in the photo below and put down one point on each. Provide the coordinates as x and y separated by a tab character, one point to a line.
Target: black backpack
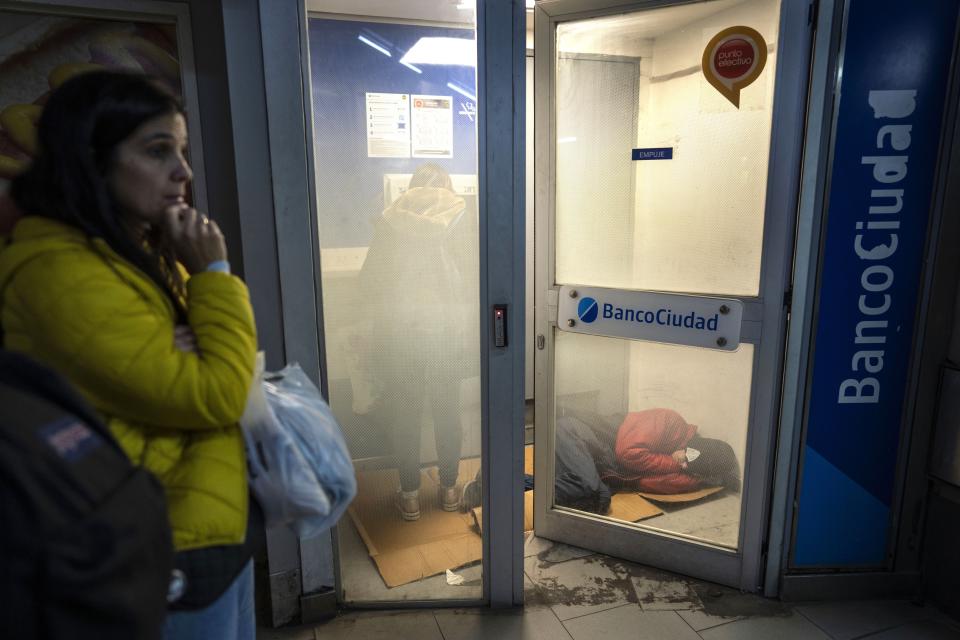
85	544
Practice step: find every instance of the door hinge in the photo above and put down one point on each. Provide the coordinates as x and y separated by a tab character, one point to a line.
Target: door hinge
788	299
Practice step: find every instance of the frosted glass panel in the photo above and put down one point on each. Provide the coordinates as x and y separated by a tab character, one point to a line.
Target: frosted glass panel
396	147
596	119
692	224
663	429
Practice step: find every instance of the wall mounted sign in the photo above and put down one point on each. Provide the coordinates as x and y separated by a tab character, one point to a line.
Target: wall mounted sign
733	59
696	321
432	121
388	125
656	153
885	152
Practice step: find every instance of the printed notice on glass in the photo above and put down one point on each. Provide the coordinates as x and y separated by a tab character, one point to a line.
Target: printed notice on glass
388	125
432	126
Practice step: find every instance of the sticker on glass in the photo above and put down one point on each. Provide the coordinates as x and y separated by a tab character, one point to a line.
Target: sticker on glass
733	59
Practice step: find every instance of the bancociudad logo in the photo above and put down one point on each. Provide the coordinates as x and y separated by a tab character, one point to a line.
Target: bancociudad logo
588	310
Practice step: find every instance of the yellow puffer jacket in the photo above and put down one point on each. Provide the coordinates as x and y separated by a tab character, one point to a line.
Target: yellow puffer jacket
74	304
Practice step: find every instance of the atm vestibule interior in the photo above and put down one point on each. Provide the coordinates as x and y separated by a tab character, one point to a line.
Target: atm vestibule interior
692	224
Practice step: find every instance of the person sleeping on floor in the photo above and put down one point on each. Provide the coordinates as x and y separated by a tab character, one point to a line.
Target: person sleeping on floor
651	451
657	451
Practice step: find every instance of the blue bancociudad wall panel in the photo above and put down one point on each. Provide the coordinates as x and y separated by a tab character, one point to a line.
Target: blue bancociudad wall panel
896	62
349	59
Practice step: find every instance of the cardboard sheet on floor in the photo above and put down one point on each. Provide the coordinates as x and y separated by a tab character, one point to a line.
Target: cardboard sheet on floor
681	497
408	551
477	513
629	507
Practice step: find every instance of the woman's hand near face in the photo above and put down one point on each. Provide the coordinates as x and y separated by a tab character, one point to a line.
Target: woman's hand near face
196	239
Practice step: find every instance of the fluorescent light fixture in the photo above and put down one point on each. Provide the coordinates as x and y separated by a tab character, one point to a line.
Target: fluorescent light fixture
370	43
531	4
447	51
410	66
566	140
462	91
463	6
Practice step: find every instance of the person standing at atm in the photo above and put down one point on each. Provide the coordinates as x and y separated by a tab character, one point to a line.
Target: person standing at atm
420	281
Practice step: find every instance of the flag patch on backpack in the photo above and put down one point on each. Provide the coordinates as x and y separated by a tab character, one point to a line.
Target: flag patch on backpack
70	438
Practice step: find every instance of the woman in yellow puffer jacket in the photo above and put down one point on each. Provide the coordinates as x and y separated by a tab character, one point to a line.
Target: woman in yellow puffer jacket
114	280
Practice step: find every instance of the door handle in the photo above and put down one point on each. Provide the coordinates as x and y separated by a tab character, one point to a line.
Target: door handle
500	325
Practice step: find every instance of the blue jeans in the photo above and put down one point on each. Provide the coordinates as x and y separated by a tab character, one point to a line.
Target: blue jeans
230	617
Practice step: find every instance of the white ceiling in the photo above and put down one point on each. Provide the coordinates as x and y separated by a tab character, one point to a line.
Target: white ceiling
637	25
651	23
455	11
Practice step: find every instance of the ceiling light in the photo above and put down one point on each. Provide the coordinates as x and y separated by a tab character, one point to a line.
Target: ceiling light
370	43
446	51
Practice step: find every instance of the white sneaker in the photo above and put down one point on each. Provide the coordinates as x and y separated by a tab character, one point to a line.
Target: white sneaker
450	498
408	502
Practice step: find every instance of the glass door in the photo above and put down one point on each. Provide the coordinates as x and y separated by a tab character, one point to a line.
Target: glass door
395	135
663	254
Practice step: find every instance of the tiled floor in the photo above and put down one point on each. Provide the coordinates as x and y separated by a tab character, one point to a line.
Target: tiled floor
572	594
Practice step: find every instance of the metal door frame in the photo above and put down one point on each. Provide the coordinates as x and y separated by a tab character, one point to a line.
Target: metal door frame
501	54
743	568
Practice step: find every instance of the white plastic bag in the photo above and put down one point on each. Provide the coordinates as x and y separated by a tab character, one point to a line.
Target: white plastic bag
298	463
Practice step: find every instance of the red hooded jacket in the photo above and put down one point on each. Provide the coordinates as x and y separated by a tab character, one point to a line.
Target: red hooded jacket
645	442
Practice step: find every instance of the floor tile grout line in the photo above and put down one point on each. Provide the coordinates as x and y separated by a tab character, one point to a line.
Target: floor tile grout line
437	622
584	615
885	629
563	626
687	623
714	626
812	621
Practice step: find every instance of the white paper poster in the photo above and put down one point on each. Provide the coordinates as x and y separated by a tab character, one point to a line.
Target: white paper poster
388	125
432	126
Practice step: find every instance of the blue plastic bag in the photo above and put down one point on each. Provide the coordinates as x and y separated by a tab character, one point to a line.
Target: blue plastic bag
299	467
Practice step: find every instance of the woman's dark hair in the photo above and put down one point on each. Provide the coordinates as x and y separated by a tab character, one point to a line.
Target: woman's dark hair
83	122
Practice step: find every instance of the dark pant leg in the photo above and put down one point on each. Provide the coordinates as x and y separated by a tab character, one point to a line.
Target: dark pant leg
447	428
401	413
